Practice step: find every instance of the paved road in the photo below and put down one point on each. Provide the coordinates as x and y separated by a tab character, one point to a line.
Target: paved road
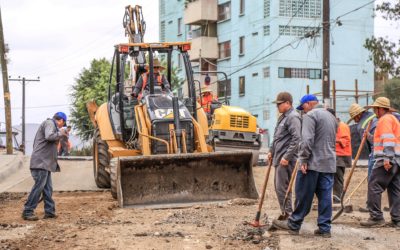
74	175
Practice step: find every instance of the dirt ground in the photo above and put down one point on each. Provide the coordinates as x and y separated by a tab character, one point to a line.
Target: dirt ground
92	220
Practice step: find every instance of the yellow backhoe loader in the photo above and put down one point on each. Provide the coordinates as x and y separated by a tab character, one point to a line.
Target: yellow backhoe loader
154	151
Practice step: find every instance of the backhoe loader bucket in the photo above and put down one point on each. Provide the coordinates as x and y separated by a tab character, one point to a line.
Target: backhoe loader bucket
178	179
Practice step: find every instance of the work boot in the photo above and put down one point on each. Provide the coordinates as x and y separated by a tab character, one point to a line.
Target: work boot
49	216
30	217
284	225
363	209
373	223
318	232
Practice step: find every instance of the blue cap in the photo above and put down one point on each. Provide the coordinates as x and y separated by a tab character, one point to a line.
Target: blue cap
306	98
63	116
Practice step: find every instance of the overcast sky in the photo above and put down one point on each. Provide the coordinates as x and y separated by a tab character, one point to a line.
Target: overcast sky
55	39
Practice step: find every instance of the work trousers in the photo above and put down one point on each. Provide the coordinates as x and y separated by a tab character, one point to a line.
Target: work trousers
381	180
342	162
338	183
43	185
281	182
307	185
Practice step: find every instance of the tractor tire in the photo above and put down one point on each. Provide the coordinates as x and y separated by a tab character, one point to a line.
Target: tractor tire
101	161
113	175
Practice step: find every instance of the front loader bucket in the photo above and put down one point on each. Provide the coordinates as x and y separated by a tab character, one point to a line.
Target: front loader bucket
169	180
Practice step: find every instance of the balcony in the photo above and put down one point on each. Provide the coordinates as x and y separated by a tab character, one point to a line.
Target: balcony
207	45
200	12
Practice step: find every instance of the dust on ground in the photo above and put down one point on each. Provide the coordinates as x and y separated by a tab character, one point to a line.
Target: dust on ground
92	220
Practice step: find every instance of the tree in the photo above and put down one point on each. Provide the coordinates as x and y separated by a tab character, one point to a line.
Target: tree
176	81
391	90
384	53
91	84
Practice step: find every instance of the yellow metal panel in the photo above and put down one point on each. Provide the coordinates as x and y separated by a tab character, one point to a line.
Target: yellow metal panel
234	119
104	123
202	119
199	138
145	141
120	151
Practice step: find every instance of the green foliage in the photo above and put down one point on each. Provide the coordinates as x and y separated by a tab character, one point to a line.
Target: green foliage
91	84
392	91
84	151
176	81
384	53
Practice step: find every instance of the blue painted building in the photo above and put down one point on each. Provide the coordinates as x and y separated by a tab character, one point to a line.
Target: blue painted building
246	39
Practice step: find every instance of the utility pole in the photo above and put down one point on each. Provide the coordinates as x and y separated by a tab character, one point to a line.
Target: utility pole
24	80
6	90
325	52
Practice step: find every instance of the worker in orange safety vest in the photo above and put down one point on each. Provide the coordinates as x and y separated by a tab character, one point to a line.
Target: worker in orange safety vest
206	99
160	80
385	173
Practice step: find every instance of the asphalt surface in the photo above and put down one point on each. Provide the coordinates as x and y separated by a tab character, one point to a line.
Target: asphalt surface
74	175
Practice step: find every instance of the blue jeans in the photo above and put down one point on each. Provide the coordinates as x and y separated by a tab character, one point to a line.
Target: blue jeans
43	185
306	185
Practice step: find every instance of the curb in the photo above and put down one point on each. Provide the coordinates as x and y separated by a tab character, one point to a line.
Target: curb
12	167
75	158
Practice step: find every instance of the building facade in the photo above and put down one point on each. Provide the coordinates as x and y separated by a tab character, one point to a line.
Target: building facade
260	45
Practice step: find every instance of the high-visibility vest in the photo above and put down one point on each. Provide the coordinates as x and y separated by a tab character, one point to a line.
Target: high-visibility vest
343	140
387	137
206	101
365	123
144	83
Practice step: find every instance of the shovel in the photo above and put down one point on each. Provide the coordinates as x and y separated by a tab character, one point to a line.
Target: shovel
256	222
284	215
346	184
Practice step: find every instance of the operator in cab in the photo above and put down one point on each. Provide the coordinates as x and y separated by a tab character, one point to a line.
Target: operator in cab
141	85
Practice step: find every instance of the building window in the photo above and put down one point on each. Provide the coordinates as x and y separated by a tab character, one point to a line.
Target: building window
266	8
221	89
266	72
242	7
162	7
224	50
179	26
299	73
241	45
266	30
242	86
300	8
265	115
296	30
224	11
162	31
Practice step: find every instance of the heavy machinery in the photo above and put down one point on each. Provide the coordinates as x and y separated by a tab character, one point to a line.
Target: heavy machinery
232	128
154	151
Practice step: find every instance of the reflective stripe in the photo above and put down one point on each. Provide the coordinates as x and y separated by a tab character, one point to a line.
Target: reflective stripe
367	120
389	144
386	144
387	136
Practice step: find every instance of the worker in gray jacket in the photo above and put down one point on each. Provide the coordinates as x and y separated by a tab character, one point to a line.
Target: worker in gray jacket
43	162
284	148
318	165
